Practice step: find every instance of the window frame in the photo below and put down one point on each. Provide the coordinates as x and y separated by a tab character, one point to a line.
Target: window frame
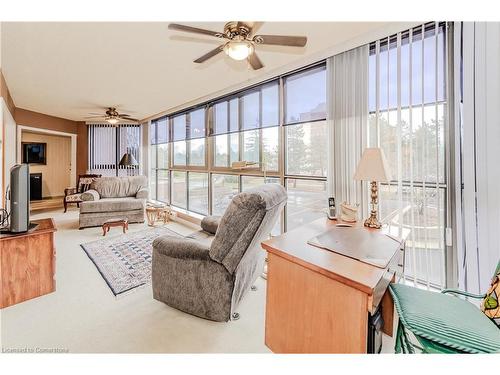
210	166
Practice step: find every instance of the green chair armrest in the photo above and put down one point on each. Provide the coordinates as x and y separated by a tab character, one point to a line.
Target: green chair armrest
463	293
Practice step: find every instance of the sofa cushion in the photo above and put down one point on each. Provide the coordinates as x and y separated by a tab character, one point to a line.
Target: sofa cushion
114	187
112	205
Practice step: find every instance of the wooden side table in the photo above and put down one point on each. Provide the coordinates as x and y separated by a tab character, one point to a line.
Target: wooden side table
114	223
157	213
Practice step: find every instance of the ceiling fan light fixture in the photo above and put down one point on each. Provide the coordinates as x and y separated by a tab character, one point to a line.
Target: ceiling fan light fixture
112	120
238	50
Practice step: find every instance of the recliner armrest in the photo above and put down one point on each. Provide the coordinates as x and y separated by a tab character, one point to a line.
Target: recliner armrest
90	195
142	194
181	248
210	223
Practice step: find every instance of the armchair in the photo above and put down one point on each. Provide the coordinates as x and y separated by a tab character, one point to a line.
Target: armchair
73	195
210	279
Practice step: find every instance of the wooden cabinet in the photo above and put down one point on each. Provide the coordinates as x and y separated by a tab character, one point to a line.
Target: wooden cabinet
27	264
318	301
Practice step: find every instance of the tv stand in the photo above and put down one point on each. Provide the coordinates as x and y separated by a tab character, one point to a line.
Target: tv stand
27	263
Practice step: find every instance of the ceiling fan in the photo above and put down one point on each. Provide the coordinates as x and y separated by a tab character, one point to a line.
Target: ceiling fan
112	116
240	42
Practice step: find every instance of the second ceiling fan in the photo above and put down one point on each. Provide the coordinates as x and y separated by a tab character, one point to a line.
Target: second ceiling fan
240	42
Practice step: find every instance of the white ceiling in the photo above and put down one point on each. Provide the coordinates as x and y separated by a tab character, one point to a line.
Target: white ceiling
70	69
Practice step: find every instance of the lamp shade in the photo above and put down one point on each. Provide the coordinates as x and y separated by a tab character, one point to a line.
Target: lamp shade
373	166
128	160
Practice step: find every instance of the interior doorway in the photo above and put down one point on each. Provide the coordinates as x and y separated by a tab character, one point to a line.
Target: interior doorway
52	159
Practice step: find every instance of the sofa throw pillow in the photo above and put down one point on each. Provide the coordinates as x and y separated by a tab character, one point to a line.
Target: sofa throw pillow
490	305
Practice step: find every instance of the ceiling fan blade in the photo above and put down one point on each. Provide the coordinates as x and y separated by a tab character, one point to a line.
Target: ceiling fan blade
254	61
95	113
100	116
195	30
255	26
281	40
129	119
210	54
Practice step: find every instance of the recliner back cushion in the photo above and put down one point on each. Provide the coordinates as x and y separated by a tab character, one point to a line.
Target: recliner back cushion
241	221
119	187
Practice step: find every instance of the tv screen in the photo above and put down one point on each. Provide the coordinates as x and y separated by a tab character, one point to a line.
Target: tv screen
34	153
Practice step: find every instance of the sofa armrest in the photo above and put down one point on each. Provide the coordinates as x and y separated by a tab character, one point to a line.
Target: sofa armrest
142	194
90	195
181	248
210	223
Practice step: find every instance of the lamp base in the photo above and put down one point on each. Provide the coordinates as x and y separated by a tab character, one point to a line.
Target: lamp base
372	221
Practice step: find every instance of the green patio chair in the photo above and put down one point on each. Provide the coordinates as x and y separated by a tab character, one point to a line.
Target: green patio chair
442	322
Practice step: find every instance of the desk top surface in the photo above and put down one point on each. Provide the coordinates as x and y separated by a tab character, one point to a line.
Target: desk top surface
44	226
294	247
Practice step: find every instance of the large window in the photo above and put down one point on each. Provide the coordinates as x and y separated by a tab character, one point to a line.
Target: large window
305	96
407	102
198	192
108	143
305	146
224	188
159	159
283	143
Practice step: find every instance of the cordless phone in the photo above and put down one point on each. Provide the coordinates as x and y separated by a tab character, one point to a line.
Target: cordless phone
331	213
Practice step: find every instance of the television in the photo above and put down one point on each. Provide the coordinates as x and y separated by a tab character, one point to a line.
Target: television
19	198
34	153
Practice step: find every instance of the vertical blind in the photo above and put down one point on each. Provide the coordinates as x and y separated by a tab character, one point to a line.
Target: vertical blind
108	143
407	119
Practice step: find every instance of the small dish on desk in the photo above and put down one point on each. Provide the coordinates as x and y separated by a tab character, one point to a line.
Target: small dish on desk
343	225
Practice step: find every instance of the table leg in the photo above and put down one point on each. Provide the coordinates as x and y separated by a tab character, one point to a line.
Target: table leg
104	229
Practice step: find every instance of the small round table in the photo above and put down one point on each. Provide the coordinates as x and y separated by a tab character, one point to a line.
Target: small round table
154	213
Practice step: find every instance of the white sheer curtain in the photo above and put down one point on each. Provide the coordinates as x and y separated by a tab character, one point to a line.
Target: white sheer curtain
347	123
408	120
477	57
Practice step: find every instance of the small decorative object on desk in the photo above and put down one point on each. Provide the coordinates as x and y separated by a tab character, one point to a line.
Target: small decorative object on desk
348	212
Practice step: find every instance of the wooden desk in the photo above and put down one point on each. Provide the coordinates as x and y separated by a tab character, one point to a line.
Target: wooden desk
27	264
318	301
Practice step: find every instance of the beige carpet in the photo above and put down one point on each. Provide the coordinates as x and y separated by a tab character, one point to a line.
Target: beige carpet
84	316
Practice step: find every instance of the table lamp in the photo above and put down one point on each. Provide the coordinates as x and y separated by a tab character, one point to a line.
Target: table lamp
373	167
128	160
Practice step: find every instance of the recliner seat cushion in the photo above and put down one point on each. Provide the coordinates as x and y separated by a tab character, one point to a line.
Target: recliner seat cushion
112	205
114	187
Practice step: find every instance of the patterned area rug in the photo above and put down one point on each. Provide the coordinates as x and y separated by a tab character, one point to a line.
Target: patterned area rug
125	261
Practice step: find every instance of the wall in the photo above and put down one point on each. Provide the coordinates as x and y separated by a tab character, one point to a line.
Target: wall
42	121
5	94
9	137
56	173
82	149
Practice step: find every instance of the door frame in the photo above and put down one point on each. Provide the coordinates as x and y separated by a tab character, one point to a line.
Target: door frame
72	136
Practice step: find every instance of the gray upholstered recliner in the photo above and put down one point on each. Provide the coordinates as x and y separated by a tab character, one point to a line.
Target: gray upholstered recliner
209	280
